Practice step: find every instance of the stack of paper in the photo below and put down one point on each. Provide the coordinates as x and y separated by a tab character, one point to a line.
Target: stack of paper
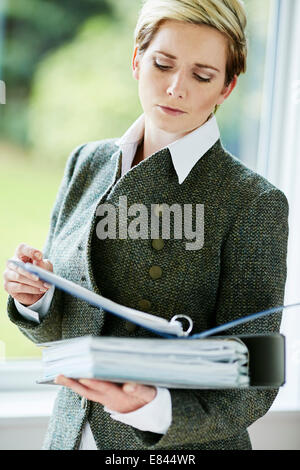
173	363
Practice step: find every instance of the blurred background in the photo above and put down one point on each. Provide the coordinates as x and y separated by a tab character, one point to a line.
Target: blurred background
67	69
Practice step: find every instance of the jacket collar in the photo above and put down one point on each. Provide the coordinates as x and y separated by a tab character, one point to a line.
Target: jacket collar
194	145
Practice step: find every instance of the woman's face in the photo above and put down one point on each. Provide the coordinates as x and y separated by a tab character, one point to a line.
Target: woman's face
177	82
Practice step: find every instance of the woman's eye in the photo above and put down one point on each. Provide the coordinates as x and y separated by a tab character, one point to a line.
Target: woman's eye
207	80
165	67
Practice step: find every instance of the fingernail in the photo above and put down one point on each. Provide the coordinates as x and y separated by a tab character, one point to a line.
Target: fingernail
130	388
46	285
84	381
38	256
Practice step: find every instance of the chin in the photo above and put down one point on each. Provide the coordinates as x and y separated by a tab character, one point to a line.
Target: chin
170	122
168	127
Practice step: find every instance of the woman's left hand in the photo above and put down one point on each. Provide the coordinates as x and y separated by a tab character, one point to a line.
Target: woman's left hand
121	398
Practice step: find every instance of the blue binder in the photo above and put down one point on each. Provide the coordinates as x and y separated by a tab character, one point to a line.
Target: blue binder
266	351
168	329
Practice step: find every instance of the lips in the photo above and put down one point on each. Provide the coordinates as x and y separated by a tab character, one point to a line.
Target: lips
173	109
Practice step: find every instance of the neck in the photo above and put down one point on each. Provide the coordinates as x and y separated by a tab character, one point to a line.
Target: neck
155	139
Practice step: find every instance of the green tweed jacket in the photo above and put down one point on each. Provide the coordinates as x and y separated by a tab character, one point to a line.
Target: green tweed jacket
240	269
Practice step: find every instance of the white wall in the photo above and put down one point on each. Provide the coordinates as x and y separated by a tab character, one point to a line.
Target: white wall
277	430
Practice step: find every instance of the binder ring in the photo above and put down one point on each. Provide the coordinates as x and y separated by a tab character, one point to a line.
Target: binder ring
185	333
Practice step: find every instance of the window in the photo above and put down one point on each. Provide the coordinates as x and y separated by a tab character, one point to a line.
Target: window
278	161
239	117
264	134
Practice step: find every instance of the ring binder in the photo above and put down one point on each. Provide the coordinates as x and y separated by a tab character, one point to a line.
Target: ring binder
185	333
167	329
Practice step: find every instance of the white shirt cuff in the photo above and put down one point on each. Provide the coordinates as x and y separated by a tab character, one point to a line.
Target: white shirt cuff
39	309
156	416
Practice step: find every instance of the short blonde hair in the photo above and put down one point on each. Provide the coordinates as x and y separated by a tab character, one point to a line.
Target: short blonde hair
227	16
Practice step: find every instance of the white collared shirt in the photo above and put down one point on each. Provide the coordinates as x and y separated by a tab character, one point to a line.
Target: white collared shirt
195	145
156	416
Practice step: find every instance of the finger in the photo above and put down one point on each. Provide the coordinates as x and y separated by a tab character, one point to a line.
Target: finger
17	288
78	388
143	392
102	386
111	395
44	263
74	384
25	276
17	269
13	267
26	253
14	276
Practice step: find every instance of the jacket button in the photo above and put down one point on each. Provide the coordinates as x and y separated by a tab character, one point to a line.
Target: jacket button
80	247
130	327
83	278
158	244
144	304
155	272
83	403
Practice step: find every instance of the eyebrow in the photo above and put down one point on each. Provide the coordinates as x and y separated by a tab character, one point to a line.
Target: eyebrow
202	66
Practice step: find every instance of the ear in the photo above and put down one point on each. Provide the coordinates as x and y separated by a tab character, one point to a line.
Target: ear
135	64
227	90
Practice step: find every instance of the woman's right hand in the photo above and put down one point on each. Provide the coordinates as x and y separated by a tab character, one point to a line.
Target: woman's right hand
23	286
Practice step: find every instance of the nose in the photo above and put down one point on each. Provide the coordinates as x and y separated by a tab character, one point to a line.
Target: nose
177	87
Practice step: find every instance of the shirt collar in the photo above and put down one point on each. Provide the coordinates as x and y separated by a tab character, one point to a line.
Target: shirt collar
185	152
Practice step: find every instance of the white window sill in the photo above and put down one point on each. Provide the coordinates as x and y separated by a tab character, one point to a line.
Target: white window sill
27	404
20	396
39	404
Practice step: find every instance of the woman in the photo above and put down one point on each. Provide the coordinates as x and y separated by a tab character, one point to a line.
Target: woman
188	55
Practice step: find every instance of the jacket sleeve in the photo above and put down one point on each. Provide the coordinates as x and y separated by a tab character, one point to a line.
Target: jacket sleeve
253	276
49	329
